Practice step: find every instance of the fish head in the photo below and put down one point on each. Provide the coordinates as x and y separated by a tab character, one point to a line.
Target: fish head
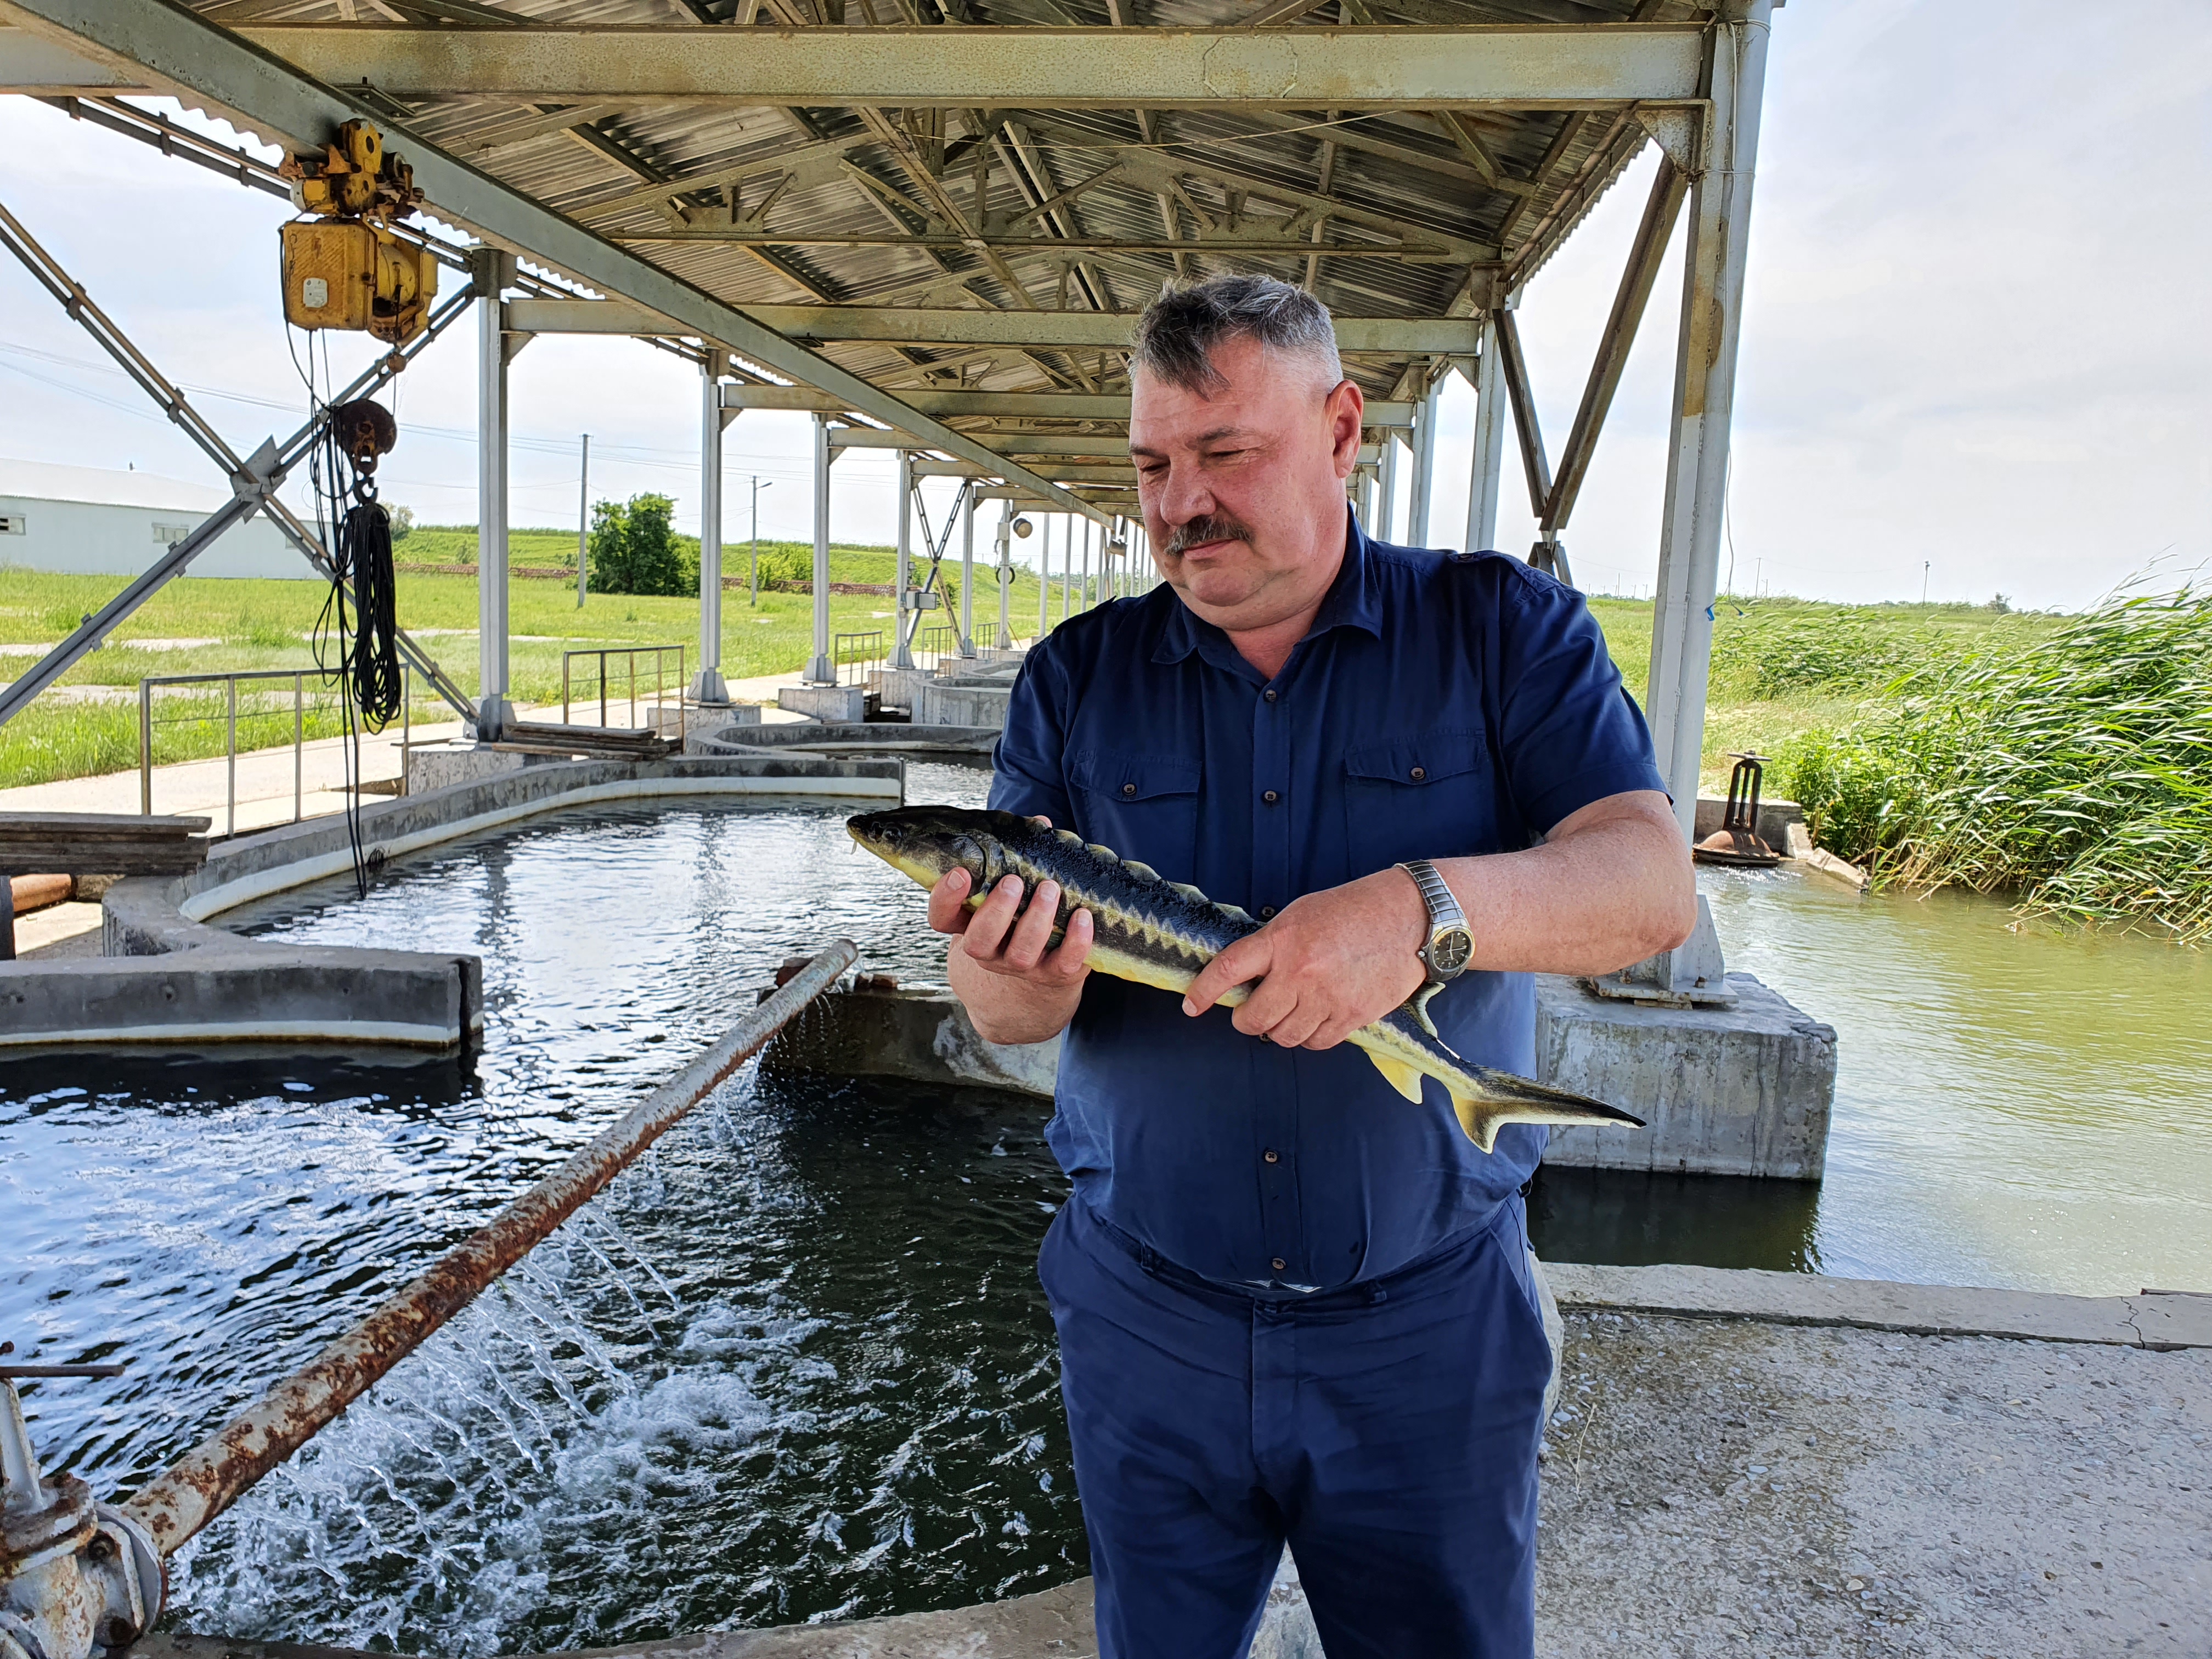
927	843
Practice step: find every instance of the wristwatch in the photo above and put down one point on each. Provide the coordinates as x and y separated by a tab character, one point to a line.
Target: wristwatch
1449	946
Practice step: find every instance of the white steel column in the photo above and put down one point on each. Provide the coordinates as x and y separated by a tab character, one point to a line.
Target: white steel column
1489	459
1386	507
1085	605
968	578
903	616
1044	568
1068	570
707	685
1005	572
494	712
821	670
1704	390
1425	466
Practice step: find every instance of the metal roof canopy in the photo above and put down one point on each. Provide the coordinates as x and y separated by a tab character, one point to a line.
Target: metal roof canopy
944	232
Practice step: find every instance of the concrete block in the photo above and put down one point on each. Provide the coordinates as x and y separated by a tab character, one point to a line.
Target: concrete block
1775	818
824	703
899	688
1746	1091
943	704
442	765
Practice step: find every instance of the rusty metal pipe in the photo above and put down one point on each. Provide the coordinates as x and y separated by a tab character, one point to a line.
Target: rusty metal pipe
210	1476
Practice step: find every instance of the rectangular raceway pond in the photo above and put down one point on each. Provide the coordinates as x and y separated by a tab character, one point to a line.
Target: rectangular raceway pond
795	1364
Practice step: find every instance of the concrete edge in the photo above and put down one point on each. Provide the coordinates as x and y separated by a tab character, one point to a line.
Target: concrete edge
2158	1322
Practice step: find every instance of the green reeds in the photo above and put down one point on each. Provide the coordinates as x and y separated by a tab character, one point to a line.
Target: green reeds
2074	769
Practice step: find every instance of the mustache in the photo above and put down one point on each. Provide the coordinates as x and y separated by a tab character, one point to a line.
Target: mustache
1214	527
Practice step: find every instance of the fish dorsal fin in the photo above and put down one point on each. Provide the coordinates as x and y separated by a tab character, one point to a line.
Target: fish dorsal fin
1141	872
1190	892
1069	837
1400	1076
1233	913
1106	853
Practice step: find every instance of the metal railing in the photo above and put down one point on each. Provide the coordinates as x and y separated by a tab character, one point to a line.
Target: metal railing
631	691
298	706
932	646
854	654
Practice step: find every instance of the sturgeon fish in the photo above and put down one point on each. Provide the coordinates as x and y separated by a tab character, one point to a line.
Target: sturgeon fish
1161	932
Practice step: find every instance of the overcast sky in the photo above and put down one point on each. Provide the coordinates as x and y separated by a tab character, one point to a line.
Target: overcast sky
1978	335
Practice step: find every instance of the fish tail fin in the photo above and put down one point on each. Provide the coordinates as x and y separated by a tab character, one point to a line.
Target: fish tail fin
1504	1099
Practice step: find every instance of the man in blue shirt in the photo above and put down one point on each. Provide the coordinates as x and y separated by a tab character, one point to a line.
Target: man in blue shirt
1292	1307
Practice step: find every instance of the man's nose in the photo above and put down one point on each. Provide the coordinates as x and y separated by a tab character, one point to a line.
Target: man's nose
1184	496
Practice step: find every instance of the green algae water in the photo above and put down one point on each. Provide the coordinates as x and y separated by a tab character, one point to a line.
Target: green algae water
795	1365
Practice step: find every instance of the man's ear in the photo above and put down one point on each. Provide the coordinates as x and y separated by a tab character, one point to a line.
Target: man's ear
1344	409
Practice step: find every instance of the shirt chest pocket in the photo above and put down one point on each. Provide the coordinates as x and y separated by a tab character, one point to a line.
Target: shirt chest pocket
1425	797
1142	806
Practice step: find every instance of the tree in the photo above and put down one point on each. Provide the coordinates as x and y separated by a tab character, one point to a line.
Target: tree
402	520
632	548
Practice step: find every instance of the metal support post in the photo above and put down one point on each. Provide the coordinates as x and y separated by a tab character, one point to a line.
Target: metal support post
708	685
1068	571
1486	468
1704	390
1044	566
1006	571
967	577
1083	604
1386	509
1424	457
494	712
584	523
905	618
821	670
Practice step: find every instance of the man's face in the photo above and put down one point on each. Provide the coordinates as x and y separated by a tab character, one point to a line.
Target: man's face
1242	491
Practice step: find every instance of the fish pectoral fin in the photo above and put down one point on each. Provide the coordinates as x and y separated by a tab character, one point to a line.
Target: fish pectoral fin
1400	1076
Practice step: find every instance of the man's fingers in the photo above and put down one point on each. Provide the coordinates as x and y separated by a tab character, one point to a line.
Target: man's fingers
1297	1029
1328	1034
1267	1008
987	927
1248	958
1032	934
948	902
1067	962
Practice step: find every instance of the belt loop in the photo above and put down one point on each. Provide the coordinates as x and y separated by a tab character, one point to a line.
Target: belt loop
1377	1295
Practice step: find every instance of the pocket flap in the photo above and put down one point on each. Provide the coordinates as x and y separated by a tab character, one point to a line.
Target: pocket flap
1416	760
1131	777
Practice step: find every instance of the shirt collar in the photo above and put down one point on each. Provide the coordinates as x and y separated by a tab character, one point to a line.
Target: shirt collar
1350	602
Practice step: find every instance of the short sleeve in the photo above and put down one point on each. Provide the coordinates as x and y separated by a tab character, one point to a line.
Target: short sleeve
1568	733
1029	775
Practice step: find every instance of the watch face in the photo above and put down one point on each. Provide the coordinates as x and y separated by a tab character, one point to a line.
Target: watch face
1448	952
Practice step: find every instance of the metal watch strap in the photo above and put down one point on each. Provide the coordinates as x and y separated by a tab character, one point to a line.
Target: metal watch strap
1444	908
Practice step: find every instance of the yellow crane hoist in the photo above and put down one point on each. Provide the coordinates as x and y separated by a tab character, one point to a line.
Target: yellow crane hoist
343	268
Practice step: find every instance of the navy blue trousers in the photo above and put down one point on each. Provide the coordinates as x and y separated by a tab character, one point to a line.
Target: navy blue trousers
1387	1432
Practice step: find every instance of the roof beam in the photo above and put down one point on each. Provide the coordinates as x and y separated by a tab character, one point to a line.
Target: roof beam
1483	66
1032	406
1256	246
1049	330
214	68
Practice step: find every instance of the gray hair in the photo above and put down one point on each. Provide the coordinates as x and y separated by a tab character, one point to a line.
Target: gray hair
1177	333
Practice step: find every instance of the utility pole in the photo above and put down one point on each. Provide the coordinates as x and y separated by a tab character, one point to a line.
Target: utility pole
1925	566
584	524
753	578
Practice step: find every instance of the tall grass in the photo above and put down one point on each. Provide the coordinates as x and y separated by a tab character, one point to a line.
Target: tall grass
2073	769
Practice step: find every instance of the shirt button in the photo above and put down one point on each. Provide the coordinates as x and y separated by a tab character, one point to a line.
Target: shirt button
1267	912
1128	788
1272	1155
1270	797
1280	1264
1419	772
1268	694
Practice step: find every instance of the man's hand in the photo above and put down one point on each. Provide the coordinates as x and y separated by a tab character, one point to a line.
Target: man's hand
1015	988
1329	963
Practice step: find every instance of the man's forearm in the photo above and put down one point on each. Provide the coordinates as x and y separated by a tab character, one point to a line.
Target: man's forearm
1597	897
1005	1009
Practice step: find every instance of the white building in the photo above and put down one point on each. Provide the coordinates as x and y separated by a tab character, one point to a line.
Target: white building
87	520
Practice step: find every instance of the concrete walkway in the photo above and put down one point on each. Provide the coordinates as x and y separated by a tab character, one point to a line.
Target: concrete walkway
1784	1466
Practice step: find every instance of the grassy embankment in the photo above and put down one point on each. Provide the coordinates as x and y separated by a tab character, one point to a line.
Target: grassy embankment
265	625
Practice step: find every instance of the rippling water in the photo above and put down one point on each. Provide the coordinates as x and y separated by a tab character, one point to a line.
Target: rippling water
795	1364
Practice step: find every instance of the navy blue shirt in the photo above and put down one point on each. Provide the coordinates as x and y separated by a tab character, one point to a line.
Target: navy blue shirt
1441	705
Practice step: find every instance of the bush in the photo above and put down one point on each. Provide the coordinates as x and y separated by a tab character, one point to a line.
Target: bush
632	548
2075	769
